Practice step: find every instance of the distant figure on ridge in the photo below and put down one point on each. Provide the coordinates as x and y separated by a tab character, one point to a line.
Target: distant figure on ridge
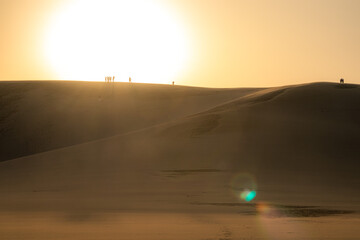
341	81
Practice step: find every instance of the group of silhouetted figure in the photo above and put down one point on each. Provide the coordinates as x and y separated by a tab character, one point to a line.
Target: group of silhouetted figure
110	79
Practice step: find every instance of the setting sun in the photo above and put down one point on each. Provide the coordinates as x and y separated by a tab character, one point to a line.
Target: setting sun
87	40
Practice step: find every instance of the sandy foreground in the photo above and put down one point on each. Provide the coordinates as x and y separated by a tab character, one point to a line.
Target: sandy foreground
174	226
180	172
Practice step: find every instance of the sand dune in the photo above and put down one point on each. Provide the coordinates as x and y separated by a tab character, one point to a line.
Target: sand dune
40	116
297	146
315	124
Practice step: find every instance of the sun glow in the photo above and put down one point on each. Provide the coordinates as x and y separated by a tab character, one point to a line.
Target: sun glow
89	40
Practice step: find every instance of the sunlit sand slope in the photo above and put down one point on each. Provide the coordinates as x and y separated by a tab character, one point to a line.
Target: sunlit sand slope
296	146
305	136
40	116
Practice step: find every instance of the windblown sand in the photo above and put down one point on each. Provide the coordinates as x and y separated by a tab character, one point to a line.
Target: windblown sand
138	161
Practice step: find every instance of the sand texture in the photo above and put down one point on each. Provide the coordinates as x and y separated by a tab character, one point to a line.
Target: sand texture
138	161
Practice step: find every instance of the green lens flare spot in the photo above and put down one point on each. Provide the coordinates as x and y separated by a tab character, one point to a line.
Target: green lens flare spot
248	195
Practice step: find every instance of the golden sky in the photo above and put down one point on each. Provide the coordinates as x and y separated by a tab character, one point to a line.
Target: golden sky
211	43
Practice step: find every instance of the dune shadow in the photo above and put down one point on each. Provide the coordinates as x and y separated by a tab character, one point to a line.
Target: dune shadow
276	211
185	172
306	212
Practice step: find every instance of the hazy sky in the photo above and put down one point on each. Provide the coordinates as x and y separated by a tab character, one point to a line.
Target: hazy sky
214	43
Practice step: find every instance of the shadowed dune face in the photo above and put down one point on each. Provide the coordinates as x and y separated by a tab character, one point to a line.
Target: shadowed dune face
296	147
40	116
311	126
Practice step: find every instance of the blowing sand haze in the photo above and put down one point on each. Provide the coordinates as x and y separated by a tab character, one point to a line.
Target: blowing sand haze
179	120
179	162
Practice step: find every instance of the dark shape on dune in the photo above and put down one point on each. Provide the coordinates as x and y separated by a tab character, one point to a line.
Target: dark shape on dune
341	80
129	79
277	211
173	83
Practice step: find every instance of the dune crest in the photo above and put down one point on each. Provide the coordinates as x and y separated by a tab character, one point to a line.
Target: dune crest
45	115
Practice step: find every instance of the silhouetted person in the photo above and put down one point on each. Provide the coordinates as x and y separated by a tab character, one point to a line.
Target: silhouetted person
129	79
341	80
173	83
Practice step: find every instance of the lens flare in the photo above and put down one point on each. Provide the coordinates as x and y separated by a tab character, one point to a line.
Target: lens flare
248	195
269	216
264	209
244	186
